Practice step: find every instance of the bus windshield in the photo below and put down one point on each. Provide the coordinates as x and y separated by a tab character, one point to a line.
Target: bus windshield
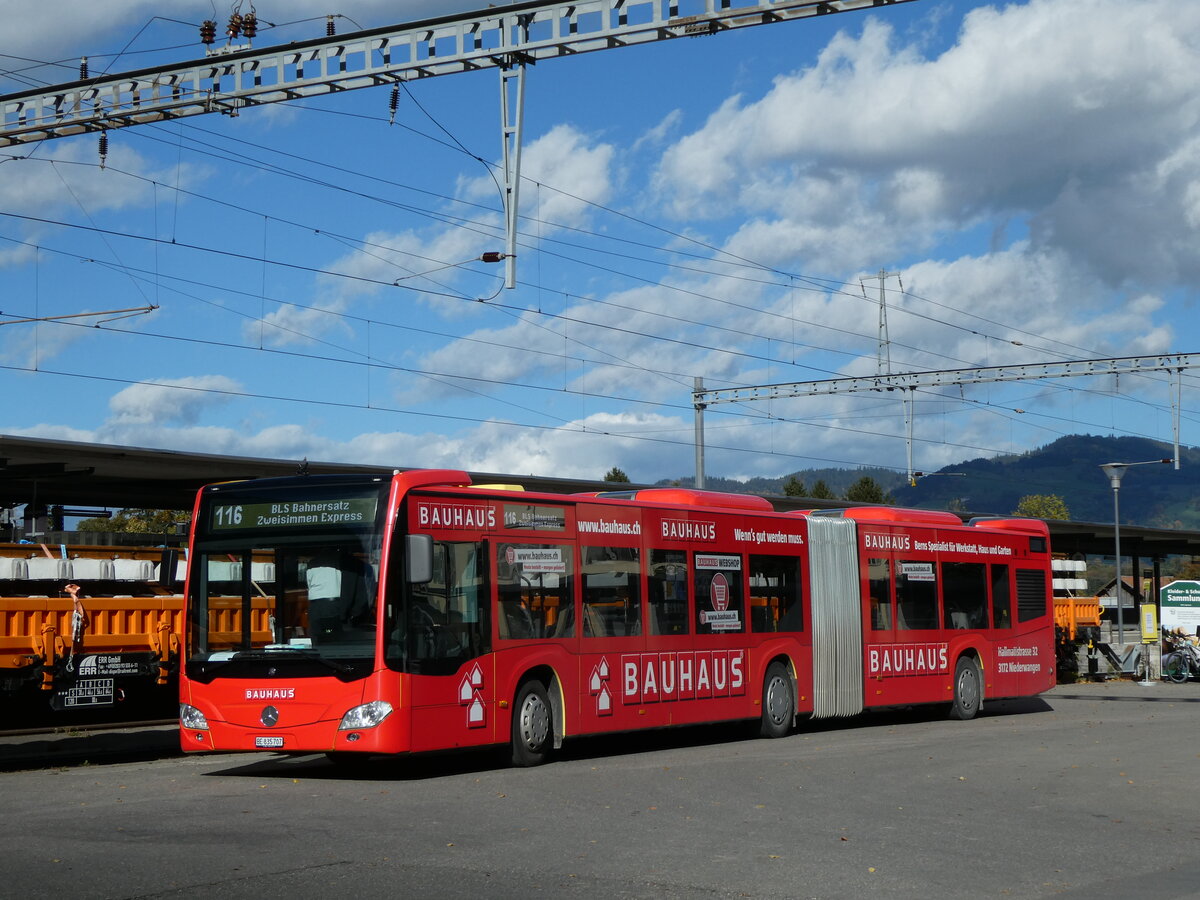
285	576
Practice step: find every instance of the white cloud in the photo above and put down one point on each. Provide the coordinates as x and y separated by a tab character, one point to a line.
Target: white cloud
55	433
576	170
660	132
65	177
620	336
170	400
17	255
1015	118
299	325
29	344
436	269
439	266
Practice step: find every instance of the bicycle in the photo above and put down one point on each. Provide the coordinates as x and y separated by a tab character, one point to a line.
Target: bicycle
1181	663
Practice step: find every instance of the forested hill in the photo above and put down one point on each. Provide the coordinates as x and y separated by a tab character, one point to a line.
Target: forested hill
837	480
1154	495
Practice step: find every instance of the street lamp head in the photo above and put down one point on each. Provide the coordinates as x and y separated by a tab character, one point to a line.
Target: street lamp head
1115	472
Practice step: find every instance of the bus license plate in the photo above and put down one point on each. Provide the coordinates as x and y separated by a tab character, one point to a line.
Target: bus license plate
269	743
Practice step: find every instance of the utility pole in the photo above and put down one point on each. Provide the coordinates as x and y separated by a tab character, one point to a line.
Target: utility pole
884	355
698	388
883	364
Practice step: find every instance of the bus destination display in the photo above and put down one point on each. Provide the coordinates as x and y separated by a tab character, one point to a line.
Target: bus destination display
293	514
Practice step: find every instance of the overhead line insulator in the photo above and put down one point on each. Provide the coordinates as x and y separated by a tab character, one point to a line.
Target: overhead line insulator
393	104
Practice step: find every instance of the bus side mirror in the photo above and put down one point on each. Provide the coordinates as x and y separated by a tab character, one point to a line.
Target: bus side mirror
418	558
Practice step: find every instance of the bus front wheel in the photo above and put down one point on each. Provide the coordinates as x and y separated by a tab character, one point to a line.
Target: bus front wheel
778	702
532	731
968	689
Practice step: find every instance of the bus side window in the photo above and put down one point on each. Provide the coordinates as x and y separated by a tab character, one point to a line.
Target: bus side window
536	595
916	596
775	594
612	600
879	582
964	595
667	592
444	620
1001	597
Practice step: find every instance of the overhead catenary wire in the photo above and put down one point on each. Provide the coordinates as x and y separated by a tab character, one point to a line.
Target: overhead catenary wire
928	318
458	143
514	311
449	294
600	325
347	240
425	414
459	378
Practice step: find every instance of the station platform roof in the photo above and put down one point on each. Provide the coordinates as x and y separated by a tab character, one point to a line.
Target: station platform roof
42	471
75	474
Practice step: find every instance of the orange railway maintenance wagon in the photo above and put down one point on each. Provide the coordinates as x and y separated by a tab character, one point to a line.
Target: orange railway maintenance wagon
123	638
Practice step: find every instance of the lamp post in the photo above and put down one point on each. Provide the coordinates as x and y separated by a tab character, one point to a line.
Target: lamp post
1115	472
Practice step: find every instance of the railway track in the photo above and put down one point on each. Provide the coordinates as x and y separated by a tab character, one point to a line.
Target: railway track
75	730
57	745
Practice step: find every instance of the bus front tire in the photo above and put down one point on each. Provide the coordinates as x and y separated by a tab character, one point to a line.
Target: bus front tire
778	702
532	727
968	689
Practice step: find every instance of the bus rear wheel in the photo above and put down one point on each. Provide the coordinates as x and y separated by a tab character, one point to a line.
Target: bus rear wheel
532	727
778	702
968	689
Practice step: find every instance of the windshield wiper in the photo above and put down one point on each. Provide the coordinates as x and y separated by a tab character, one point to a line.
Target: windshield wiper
304	653
280	654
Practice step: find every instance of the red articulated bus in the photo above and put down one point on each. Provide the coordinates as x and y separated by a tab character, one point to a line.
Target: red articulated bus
418	612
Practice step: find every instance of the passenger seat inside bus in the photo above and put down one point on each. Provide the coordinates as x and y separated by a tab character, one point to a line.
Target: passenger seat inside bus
516	622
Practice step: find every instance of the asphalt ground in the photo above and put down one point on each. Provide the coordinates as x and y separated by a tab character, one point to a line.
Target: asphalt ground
85	743
69	746
1090	790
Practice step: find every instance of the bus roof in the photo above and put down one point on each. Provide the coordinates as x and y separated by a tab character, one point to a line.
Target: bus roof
690	497
886	514
1005	523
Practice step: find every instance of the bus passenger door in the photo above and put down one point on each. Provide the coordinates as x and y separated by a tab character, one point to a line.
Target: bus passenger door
613	660
445	638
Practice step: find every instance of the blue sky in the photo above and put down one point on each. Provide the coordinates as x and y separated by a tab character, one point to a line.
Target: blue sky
711	207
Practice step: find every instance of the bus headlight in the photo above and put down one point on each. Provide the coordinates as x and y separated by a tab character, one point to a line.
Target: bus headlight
366	716
191	718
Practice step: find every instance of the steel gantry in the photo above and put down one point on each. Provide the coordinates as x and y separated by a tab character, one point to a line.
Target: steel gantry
508	38
910	382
